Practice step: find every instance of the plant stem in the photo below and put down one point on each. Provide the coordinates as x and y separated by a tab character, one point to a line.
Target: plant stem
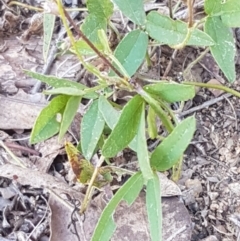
184	42
195	61
190	13
170	8
90	185
212	86
156	107
80	34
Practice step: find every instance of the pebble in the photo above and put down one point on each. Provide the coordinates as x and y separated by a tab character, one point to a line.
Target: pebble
214	206
213	195
235	188
195	185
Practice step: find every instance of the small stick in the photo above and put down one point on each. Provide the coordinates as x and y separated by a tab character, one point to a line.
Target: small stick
22	148
190	13
170	8
17	161
170	63
205	105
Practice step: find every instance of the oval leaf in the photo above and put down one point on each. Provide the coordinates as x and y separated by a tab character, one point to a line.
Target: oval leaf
47	124
142	149
91	129
228	10
48	27
91	26
68	114
154	208
171	92
134	10
172	32
125	129
54	81
224	50
65	91
173	146
131	51
218	7
100	8
128	192
110	115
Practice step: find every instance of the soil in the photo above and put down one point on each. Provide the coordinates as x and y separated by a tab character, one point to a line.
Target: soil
210	181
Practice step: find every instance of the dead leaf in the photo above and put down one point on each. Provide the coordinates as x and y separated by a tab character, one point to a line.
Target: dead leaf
49	150
131	221
15	113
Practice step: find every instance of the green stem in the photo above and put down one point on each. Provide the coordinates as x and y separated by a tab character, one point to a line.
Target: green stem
170	112
185	72
90	186
156	107
91	45
212	86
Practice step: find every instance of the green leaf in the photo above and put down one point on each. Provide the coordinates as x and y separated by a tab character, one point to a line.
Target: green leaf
171	92
172	32
229	11
54	81
47	124
131	50
91	129
219	7
68	114
154	208
65	91
134	10
142	150
100	8
125	129
151	121
224	50
110	115
128	192
48	26
59	83
231	20
91	26
157	108
213	7
173	146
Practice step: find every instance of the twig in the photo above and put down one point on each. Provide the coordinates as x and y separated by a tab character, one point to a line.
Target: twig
170	8
204	105
170	63
22	148
234	112
212	86
17	161
195	61
41	220
190	13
